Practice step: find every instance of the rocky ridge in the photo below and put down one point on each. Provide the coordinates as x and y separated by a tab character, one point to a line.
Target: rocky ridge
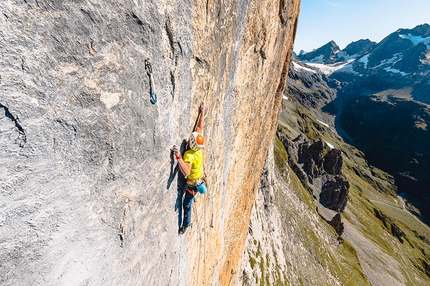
400	60
320	169
325	54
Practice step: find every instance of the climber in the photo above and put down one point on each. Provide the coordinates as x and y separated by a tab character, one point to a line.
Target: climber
191	165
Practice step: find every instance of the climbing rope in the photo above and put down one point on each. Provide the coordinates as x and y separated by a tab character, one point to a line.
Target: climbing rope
204	222
200	240
179	263
152	95
204	242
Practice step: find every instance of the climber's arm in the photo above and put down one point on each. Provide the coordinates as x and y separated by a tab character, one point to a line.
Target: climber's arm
184	167
201	121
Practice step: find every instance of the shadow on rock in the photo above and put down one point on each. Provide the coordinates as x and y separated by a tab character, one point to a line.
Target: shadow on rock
181	182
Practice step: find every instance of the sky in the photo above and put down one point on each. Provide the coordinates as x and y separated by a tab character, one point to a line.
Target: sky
346	21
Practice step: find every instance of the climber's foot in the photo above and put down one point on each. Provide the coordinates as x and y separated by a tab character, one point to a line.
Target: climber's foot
182	230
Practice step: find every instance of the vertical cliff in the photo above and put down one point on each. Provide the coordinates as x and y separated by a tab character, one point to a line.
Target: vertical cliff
89	192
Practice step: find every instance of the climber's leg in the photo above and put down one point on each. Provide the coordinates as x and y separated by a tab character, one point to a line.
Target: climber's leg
187	208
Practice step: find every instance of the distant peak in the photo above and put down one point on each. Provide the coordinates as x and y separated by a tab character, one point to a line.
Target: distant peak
359	47
324	54
332	44
422	30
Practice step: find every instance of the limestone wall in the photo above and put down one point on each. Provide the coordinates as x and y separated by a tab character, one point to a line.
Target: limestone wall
89	192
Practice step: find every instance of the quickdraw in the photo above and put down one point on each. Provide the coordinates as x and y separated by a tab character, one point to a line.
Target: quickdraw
152	95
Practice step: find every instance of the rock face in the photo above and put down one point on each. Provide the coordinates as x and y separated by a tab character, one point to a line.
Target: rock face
334	193
285	239
320	169
337	224
333	161
89	193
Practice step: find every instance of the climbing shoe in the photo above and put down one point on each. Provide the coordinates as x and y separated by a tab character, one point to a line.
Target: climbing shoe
182	230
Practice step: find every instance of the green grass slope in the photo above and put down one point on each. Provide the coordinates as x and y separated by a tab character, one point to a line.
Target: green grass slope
383	241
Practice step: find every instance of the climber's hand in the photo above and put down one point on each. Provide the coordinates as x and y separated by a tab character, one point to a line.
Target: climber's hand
202	108
176	150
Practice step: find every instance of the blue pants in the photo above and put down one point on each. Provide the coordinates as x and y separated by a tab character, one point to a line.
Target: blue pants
187	207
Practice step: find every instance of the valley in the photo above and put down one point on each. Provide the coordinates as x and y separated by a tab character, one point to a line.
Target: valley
382	105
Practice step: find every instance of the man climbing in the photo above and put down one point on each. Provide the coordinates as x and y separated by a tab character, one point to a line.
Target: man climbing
191	165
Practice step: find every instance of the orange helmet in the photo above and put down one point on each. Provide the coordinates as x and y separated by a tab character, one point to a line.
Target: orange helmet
196	141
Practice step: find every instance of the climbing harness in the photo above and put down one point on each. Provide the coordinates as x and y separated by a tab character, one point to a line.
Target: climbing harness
153	96
198	185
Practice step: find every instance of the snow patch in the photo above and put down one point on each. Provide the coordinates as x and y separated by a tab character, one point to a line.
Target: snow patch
394	71
329	69
298	67
396	57
325	124
364	59
416	39
329	145
285	97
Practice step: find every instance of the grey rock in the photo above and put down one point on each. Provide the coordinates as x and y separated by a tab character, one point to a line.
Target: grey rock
333	162
337	224
334	193
85	155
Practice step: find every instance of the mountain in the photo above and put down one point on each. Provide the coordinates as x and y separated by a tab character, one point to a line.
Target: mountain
324	54
400	60
382	106
358	48
330	53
